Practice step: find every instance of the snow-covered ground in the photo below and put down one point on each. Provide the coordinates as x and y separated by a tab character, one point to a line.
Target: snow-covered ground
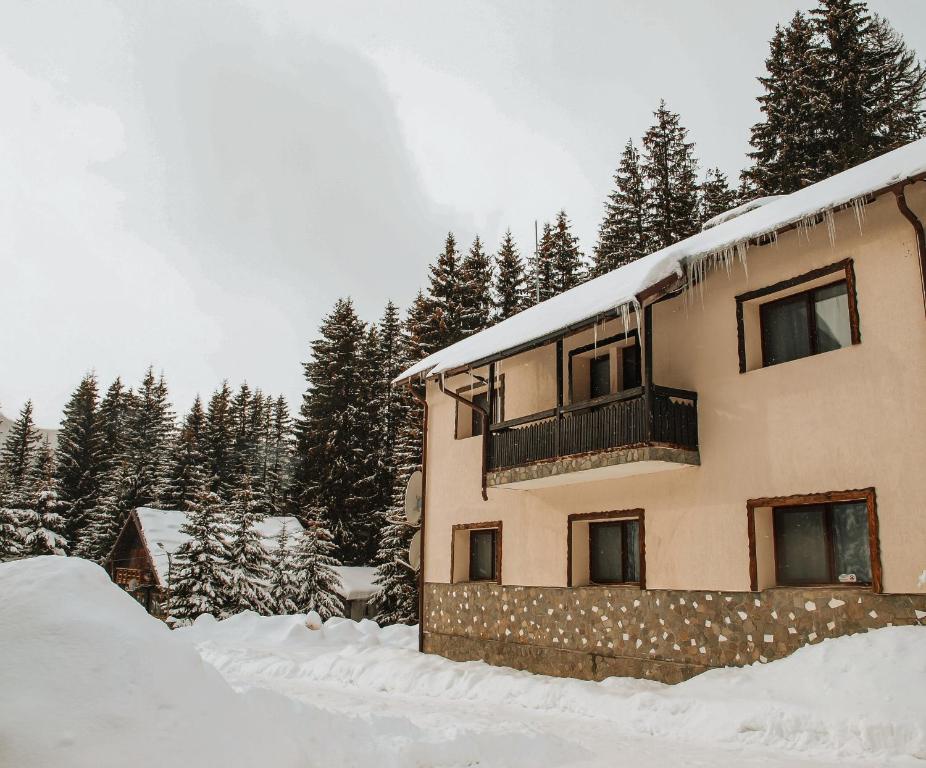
87	679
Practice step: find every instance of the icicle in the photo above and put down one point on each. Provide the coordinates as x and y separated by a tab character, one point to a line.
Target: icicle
858	204
636	314
830	226
595	329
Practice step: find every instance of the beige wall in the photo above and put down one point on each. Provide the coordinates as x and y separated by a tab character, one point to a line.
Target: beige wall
841	420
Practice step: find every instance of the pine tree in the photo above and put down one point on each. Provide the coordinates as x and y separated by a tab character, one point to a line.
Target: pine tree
113	424
199	582
475	290
248	560
78	457
10	533
622	237
669	168
189	464
542	276
105	517
332	473
569	267
244	407
17	459
716	195
284	590
787	142
150	427
43	525
442	325
220	438
279	456
510	290
314	565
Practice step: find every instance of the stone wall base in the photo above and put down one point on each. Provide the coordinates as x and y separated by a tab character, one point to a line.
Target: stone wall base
667	635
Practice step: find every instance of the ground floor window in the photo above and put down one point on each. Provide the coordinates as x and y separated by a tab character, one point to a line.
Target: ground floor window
605	548
476	553
818	539
823	544
483	547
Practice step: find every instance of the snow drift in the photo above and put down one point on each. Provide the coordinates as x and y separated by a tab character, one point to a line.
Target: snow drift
89	679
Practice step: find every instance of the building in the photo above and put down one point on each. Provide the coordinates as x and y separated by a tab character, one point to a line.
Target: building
709	457
141	560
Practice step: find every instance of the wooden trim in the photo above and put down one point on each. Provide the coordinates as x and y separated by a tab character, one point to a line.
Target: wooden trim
751	539
868	495
539	416
632	333
845	265
920	234
627	394
616	515
492	524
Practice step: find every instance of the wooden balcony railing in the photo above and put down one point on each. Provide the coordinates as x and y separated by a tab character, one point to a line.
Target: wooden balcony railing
667	416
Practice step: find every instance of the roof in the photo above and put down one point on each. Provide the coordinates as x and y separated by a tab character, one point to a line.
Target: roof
621	289
160	532
358	582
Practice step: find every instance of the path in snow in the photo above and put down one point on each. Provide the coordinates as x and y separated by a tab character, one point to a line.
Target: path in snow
360	718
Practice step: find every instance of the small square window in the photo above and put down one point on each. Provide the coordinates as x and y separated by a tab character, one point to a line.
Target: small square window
483	555
614	552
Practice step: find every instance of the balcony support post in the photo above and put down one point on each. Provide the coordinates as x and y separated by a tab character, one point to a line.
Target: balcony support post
648	372
559	396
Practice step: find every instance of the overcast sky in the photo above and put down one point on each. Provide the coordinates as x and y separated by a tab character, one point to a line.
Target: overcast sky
192	184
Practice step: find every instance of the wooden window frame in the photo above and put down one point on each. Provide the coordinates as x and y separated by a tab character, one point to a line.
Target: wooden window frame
866	495
499	399
622	523
610	516
493	533
846	271
602	343
495	525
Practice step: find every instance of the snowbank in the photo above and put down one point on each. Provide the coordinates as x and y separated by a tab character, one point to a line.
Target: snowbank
859	696
89	679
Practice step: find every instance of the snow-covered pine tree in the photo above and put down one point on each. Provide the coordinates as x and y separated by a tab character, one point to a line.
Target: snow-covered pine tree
79	457
248	560
622	237
199	572
150	428
313	565
220	438
669	169
510	291
105	517
331	471
18	457
786	142
284	591
716	195
475	290
279	456
113	424
43	524
541	282
245	409
442	325
10	533
569	266
189	463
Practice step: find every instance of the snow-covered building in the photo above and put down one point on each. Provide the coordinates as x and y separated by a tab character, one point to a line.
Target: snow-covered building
709	457
141	560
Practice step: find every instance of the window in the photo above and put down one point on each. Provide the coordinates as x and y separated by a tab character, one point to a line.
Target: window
481	400
806	324
600	377
483	551
822	544
606	548
614	552
631	367
469	420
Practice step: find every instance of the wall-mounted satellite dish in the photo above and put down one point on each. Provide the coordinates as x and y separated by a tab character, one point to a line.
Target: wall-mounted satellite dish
413	499
414	551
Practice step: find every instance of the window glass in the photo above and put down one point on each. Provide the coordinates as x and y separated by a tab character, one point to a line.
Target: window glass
606	562
801	546
600	371
785	330
630	362
850	540
482	555
482	400
632	539
831	308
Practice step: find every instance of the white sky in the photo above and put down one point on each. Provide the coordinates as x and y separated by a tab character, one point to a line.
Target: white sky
193	184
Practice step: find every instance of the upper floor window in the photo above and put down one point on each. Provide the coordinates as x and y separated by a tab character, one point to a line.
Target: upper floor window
806	315
604	368
600	377
469	421
805	324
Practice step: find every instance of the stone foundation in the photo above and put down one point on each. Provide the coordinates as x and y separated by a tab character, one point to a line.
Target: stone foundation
667	635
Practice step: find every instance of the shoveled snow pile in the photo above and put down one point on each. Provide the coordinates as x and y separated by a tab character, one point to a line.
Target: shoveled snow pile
87	678
853	697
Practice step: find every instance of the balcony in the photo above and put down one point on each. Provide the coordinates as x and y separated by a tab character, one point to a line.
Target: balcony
622	434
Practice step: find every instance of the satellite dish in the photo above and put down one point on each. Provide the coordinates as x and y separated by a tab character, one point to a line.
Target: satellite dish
413	500
414	551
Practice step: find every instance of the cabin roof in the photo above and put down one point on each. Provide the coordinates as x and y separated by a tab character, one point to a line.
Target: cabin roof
358	582
626	287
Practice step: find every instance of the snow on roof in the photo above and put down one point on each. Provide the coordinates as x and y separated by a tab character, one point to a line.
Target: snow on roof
358	582
756	202
160	529
619	289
